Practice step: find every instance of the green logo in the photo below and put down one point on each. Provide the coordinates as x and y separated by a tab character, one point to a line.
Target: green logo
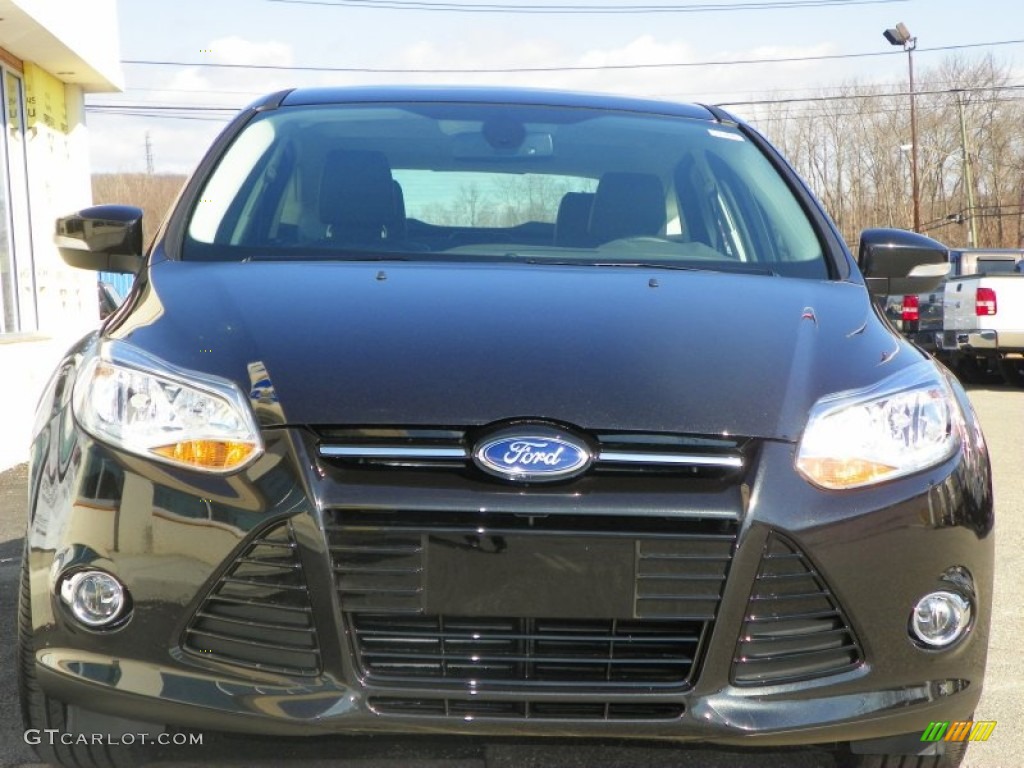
959	730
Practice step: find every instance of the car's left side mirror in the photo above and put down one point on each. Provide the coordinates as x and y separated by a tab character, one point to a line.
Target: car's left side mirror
896	261
104	238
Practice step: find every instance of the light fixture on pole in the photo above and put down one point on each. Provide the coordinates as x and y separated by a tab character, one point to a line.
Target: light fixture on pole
900	35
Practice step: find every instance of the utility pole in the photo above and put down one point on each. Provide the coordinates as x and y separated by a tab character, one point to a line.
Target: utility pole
972	232
149	154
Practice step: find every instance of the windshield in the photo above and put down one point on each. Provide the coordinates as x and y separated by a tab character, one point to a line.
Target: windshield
479	182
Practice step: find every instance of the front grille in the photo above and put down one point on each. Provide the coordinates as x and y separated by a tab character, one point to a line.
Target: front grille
530	652
258	614
450	599
687	456
476	708
794	627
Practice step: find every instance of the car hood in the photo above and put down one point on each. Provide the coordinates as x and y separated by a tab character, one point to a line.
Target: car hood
613	348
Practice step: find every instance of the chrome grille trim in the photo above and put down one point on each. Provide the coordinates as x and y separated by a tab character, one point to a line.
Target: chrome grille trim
671	459
424	453
613	451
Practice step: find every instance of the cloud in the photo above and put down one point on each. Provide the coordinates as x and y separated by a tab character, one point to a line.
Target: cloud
178	144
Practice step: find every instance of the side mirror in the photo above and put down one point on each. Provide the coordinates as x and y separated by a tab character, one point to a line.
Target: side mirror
895	261
104	238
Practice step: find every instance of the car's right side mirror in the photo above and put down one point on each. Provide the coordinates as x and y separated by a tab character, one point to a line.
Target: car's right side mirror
897	261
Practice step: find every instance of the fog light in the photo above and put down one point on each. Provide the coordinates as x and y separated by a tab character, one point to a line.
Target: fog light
95	598
940	618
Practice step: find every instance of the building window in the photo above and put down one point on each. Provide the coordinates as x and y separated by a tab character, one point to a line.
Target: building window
17	271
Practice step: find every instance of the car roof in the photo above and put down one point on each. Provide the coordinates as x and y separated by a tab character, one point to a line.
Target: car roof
476	94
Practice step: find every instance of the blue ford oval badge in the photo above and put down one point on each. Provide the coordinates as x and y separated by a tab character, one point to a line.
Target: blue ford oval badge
532	453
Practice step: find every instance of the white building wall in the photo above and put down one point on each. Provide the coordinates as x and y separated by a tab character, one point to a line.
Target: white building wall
75	47
59	183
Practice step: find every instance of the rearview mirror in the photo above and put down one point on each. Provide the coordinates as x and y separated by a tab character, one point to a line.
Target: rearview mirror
896	261
476	146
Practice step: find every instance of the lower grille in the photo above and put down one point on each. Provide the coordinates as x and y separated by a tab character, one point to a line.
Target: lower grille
527	651
258	614
794	628
516	602
475	709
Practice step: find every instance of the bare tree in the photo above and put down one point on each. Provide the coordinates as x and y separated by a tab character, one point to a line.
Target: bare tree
153	193
852	143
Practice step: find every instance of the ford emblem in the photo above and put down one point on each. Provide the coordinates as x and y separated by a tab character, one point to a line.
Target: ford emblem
532	453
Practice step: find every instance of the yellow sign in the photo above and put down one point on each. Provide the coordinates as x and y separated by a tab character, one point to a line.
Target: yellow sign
44	99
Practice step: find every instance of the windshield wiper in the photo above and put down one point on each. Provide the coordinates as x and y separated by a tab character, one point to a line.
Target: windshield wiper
325	255
739	268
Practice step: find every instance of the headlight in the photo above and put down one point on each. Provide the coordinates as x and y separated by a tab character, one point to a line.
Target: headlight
906	423
142	406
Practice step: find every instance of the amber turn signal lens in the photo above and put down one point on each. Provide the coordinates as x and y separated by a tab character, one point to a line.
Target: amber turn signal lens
208	454
843	473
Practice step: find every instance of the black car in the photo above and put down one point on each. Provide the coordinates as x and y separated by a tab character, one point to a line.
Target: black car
502	412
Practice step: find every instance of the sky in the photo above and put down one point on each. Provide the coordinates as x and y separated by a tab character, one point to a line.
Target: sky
712	51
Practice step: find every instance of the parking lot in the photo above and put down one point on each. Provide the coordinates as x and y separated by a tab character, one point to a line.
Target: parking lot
1002	414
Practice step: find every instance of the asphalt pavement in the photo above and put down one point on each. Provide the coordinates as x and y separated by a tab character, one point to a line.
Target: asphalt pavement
1002	414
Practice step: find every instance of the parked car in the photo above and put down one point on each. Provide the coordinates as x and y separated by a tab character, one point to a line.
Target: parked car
921	317
497	412
983	325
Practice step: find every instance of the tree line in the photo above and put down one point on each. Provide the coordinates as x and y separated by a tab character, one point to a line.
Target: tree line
853	145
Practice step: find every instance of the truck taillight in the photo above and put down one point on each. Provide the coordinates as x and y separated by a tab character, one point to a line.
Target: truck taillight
985	302
911	308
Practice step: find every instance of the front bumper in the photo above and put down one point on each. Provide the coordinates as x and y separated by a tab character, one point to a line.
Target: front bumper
338	627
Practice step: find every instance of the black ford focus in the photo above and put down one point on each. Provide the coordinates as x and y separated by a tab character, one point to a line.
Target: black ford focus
493	412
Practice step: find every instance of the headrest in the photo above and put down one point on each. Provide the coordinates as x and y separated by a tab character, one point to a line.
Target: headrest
573	220
357	195
627	205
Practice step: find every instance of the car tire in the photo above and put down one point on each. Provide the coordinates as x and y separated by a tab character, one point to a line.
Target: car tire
951	758
970	371
40	712
1012	372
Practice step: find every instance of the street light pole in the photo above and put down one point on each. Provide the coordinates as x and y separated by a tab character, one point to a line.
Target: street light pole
901	36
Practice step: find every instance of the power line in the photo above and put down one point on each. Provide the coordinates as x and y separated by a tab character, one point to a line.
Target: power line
182	114
853	96
762	120
841	91
143	105
421	5
186	112
578	68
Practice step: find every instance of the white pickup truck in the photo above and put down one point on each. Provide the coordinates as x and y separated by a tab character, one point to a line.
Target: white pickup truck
983	325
